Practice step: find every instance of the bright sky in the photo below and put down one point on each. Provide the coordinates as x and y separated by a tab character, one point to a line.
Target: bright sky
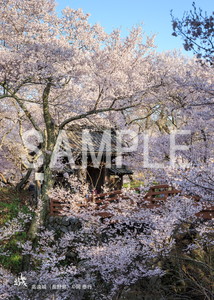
123	14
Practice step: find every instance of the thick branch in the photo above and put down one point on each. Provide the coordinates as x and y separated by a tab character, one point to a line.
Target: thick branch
202	104
49	122
46	112
24	180
93	112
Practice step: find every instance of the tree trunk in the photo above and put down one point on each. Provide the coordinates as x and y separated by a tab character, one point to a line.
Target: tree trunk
50	137
42	210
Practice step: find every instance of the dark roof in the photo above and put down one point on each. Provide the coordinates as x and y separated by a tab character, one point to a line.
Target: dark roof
120	171
75	139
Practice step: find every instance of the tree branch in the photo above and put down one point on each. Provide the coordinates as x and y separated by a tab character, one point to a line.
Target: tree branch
93	112
23	107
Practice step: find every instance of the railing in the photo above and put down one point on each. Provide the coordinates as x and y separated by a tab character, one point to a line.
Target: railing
110	196
57	207
155	197
101	200
160	193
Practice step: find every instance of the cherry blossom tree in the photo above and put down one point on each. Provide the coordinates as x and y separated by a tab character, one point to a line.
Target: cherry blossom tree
184	103
59	70
56	72
110	255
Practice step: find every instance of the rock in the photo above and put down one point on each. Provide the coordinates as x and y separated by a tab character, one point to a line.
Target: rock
65	222
64	229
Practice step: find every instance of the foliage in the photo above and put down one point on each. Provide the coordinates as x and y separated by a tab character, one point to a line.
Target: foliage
12	203
12	207
113	255
192	262
197	30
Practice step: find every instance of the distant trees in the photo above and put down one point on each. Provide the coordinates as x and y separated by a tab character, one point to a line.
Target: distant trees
197	31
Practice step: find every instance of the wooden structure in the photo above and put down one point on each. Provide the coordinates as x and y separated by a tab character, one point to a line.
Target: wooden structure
159	193
155	197
110	177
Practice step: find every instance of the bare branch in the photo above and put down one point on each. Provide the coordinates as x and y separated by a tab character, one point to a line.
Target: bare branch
94	112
